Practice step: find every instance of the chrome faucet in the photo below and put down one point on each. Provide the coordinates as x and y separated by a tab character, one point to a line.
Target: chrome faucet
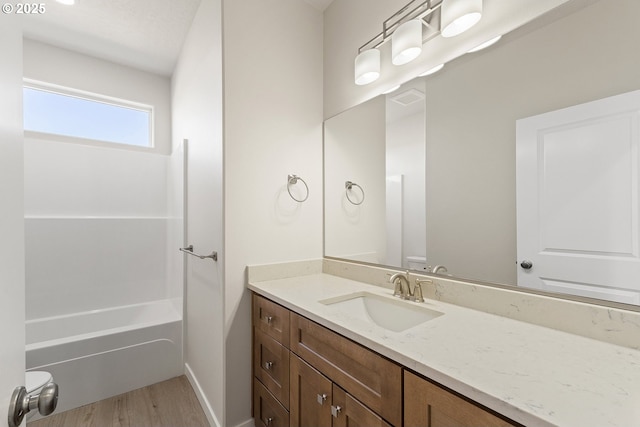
402	288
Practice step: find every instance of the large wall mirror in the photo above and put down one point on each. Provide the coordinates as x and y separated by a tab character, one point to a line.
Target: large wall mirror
515	165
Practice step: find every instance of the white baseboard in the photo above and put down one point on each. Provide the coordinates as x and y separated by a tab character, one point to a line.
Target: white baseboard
248	423
206	407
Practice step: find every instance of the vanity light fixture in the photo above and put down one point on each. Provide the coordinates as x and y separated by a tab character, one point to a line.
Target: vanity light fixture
457	16
367	66
486	44
406	42
432	70
410	28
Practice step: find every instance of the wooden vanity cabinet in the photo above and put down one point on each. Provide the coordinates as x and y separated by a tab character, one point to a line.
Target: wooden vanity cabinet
428	405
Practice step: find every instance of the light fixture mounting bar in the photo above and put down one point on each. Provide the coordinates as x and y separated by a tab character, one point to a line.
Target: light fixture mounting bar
415	9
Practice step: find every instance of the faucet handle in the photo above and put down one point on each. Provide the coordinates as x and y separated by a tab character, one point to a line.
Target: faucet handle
417	292
419	281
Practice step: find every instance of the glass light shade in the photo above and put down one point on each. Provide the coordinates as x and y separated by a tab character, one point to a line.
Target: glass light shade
367	67
457	16
406	42
432	70
486	44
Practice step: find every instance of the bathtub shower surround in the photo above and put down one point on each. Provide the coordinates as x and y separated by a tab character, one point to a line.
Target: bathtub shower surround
103	273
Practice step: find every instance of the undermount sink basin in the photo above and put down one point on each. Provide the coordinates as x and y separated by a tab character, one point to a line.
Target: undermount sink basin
387	312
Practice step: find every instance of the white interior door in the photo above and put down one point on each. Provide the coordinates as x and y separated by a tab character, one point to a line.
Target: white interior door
12	309
577	199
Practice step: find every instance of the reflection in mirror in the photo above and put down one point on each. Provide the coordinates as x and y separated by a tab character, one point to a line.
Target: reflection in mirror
379	145
480	112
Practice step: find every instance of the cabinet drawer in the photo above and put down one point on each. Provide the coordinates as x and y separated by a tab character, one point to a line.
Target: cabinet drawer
267	411
429	405
271	366
271	318
367	376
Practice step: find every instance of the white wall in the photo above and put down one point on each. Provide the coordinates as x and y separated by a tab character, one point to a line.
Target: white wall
273	127
354	149
11	216
197	116
348	24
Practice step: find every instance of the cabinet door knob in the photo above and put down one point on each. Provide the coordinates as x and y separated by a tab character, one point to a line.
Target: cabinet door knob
268	365
269	319
335	410
321	398
268	421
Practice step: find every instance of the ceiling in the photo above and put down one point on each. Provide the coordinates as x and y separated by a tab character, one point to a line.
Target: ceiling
145	34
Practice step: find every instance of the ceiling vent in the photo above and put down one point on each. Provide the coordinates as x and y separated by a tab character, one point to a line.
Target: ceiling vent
408	97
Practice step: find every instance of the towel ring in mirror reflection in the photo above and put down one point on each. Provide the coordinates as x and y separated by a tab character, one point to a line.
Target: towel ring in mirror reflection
293	180
348	185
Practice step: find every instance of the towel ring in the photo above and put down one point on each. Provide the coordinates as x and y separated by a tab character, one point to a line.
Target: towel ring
293	180
348	185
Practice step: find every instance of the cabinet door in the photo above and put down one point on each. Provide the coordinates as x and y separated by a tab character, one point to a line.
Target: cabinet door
428	405
348	412
311	397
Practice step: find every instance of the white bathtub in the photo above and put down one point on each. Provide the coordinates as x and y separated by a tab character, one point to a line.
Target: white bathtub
98	354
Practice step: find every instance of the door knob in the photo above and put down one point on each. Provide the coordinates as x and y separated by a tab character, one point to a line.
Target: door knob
526	264
21	403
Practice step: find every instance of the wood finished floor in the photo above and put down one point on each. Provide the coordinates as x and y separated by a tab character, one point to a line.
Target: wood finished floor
171	403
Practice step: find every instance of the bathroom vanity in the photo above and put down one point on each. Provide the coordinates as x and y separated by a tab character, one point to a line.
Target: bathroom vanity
306	374
317	361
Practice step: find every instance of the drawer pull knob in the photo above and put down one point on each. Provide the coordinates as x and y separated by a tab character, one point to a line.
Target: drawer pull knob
335	410
268	421
321	398
268	365
269	319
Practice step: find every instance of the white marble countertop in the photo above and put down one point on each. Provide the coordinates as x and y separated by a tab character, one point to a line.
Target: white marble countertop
534	375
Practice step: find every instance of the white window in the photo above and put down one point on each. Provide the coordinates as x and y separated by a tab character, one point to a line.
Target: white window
53	110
